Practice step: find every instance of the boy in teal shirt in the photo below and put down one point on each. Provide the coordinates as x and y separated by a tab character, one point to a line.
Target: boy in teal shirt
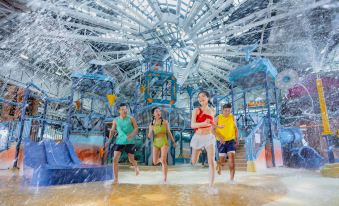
127	128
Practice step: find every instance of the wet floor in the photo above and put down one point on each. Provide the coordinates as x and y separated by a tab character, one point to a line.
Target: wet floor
186	186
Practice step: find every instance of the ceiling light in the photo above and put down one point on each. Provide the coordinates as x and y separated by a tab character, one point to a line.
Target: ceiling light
23	56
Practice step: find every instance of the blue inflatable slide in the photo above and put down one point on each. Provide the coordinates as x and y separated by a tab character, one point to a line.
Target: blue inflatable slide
50	163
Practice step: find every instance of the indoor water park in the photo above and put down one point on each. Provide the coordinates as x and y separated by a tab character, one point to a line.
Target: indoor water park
169	102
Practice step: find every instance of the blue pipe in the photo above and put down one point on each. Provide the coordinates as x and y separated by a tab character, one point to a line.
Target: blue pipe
55	100
2	100
31	84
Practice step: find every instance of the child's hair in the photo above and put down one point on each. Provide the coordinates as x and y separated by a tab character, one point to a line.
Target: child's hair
228	105
153	120
122	105
207	95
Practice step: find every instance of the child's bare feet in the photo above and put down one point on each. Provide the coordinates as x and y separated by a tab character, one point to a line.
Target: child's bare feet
218	168
137	171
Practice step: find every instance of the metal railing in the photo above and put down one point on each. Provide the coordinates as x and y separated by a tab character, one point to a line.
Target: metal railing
258	137
40	130
177	118
8	134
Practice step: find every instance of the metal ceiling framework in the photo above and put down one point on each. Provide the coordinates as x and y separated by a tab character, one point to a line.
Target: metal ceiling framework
202	37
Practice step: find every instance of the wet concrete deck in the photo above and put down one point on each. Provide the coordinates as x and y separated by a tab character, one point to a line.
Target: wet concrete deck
186	186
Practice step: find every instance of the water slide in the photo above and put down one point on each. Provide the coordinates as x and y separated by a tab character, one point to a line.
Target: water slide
54	163
295	153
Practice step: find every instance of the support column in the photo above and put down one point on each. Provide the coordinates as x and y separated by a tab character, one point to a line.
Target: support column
217	105
245	110
270	136
277	109
67	127
233	101
44	119
21	126
327	133
190	94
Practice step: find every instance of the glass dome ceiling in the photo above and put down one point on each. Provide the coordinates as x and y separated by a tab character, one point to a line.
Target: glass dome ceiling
203	38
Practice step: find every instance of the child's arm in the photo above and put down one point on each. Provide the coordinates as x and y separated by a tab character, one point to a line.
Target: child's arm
113	130
150	131
170	133
136	129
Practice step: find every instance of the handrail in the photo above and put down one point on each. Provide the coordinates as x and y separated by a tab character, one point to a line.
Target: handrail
260	149
48	121
6	101
249	142
31	84
254	149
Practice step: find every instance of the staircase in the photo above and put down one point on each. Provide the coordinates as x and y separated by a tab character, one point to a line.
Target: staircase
240	158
